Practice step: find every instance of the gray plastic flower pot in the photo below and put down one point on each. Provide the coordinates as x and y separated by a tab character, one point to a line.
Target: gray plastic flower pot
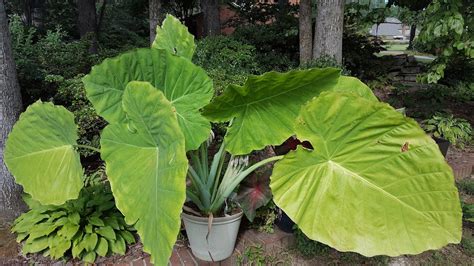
221	241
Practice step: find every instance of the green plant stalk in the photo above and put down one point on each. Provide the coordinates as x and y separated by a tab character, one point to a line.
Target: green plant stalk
226	190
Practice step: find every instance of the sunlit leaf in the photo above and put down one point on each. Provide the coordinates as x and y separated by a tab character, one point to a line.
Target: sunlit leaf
174	37
185	85
375	183
264	109
146	166
40	154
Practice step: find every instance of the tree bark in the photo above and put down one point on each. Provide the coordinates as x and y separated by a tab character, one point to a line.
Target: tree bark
154	7
10	108
412	36
211	19
306	32
328	32
88	22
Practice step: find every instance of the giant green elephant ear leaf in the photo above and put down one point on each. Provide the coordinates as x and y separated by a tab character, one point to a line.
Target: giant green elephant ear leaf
40	153
174	37
146	166
354	85
185	85
375	183
264	109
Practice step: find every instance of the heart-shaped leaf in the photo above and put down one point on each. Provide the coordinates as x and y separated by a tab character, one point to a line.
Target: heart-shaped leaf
174	37
375	183
40	154
185	85
264	109
146	166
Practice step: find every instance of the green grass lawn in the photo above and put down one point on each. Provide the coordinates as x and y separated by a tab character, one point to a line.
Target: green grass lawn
396	47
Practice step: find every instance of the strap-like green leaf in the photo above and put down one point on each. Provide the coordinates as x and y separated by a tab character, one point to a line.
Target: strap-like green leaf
375	183
146	166
174	37
265	108
185	85
41	156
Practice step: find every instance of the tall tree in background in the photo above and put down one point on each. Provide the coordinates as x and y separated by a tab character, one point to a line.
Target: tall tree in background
154	7
89	21
212	24
10	108
305	32
328	29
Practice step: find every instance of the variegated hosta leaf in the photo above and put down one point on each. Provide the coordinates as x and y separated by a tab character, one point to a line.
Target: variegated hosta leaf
40	154
375	183
264	109
185	85
146	165
174	37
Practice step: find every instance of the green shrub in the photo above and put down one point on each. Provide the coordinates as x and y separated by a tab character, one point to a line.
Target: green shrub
38	57
467	186
467	244
276	44
458	131
226	60
307	247
265	218
463	92
226	53
83	228
71	93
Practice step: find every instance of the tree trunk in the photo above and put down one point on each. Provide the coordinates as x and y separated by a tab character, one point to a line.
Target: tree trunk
306	34
412	36
88	22
154	7
10	108
211	19
328	32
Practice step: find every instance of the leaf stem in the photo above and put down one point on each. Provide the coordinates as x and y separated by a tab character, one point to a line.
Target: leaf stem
87	147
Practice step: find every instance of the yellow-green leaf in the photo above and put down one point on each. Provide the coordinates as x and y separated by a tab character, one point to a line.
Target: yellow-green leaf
40	154
375	183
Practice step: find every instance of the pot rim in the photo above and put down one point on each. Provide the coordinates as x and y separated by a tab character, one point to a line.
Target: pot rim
216	220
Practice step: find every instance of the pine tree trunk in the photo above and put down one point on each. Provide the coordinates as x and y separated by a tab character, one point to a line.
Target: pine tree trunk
305	30
10	108
88	22
154	7
211	19
328	32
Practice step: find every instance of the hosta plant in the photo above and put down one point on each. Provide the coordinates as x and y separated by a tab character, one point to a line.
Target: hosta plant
84	228
458	131
374	182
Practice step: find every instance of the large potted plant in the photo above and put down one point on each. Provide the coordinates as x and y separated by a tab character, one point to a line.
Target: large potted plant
212	219
374	182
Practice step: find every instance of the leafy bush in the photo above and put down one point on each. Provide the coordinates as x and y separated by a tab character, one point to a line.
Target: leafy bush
463	92
38	57
276	43
466	185
226	60
71	93
358	52
308	247
83	228
226	53
458	131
